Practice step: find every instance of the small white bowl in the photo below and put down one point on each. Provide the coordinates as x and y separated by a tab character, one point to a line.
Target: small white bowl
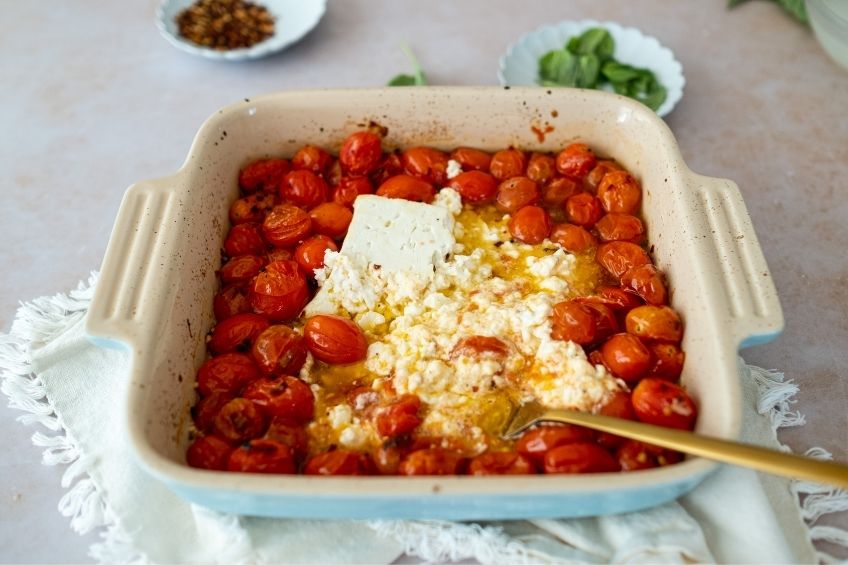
520	65
292	20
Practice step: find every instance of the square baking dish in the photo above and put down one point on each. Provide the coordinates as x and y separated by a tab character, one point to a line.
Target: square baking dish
157	281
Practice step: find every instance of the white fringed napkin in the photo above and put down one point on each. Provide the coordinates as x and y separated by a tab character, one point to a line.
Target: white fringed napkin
52	373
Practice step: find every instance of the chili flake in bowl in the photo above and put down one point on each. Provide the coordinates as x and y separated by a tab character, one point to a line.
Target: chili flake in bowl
236	29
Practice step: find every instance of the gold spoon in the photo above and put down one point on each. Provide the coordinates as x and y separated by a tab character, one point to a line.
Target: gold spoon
735	453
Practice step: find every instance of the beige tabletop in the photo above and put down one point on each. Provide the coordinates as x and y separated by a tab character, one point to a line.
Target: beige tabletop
93	99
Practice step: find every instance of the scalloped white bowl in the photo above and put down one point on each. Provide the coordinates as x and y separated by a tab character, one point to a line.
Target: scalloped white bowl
293	19
520	65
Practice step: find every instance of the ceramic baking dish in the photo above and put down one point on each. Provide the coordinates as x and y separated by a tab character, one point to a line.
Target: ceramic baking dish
158	278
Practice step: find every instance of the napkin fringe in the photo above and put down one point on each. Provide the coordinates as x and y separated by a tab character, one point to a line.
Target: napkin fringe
44	318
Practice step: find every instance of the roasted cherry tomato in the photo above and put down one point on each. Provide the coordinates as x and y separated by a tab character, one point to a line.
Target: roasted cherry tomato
617	406
574	239
535	443
229	301
390	165
264	174
310	254
387	459
579	458
582	323
541	168
331	219
209	452
400	417
279	292
619	192
660	402
236	333
349	188
634	455
507	164
472	159
530	224
290	433
583	209
668	361
475	186
282	397
206	410
304	188
361	153
408	188
515	193
596	175
426	163
335	340
647	282
279	350
660	323
431	461
239	420
479	345
251	208
620	227
338	462
617	298
313	159
262	456
558	191
278	254
334	173
618	257
240	269
575	161
626	357
286	225
226	373
501	463
244	239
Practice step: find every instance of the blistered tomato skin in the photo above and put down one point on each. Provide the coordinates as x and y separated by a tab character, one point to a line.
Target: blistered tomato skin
472	159
244	239
282	397
236	333
239	420
400	417
579	458
619	193
331	219
312	158
558	191
251	208
507	164
335	340
596	175
279	292
206	410
226	373
620	227
648	283
338	462
530	225
626	357
572	238
662	403
349	188
575	161
286	225
618	257
289	433
361	153
501	463
426	163
279	350
264	174
582	323
408	188
667	363
209	452
310	254
229	301
431	461
478	346
475	187
583	209
304	188
240	269
659	323
535	443
262	456
516	193
541	168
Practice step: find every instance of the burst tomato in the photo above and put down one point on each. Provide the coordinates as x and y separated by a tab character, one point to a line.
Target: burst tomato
574	239
476	187
472	159
618	257
349	188
426	163
507	164
286	225
244	239
619	192
209	452
408	188
660	402
335	340
312	158
575	161
282	397
236	333
501	463
516	193
262	456
361	153
659	323
304	188
279	350
227	373
400	417
239	420
279	292
264	174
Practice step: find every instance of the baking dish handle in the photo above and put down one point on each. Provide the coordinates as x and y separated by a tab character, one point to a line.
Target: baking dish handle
137	259
754	315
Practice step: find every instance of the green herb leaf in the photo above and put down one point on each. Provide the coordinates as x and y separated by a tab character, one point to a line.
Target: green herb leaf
795	8
589	69
595	41
558	67
615	72
416	79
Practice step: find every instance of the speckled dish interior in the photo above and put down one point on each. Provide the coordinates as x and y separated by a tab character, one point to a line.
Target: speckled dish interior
158	278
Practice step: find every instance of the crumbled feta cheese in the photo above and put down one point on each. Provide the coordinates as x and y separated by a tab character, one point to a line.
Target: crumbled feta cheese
450	200
454	168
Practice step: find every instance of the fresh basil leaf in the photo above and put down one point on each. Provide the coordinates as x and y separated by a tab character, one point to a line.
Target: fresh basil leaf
595	41
403	80
615	72
416	79
589	70
796	9
559	67
573	45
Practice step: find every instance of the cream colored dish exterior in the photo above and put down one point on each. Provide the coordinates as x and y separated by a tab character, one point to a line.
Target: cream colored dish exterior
158	278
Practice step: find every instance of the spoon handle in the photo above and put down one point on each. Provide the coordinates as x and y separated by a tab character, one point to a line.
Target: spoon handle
755	457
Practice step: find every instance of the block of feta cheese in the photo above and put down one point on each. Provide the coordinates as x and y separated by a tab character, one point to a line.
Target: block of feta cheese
397	235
